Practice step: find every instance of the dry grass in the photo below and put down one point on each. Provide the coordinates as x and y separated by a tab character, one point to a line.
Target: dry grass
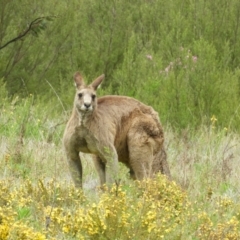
205	160
198	161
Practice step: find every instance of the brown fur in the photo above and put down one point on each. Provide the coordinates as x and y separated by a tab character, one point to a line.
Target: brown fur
113	128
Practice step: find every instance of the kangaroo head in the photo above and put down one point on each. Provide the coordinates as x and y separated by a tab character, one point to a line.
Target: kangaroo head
85	99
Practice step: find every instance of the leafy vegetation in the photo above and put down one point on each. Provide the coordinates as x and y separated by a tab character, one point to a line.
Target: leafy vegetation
181	57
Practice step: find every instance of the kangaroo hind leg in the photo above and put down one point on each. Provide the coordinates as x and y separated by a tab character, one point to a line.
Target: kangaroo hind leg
140	155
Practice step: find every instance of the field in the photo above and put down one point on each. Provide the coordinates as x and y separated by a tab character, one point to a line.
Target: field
181	57
38	200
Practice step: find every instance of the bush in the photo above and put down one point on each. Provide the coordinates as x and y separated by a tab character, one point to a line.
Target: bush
181	57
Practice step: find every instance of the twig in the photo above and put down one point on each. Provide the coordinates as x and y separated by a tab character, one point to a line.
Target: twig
31	26
117	182
56	95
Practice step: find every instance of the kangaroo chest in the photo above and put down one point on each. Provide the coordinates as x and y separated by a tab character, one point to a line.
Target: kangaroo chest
86	141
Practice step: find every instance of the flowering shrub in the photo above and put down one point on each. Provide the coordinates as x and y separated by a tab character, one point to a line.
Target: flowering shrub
150	209
10	228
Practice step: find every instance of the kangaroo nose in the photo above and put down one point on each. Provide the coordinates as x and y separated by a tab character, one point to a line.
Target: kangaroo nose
87	105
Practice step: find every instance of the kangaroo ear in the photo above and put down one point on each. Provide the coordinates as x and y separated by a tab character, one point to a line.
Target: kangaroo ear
96	83
78	79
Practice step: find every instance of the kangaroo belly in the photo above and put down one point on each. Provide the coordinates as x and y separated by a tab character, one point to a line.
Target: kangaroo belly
122	151
86	146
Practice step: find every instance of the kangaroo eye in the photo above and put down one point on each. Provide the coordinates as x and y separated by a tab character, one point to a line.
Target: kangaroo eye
80	95
93	96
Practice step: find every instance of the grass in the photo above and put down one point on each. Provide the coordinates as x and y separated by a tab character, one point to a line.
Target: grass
38	200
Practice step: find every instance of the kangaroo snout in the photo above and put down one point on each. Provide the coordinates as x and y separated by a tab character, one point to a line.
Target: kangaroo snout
87	105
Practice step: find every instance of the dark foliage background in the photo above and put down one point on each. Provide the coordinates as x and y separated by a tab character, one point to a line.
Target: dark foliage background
181	57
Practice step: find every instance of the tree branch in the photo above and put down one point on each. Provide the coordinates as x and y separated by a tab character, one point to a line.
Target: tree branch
31	26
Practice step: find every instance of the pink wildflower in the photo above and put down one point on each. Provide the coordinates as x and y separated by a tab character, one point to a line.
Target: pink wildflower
149	57
194	58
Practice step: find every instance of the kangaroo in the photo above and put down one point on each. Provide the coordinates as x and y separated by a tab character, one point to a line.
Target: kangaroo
113	128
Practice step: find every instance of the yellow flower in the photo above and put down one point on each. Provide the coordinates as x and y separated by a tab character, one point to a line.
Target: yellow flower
66	229
213	119
4	231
